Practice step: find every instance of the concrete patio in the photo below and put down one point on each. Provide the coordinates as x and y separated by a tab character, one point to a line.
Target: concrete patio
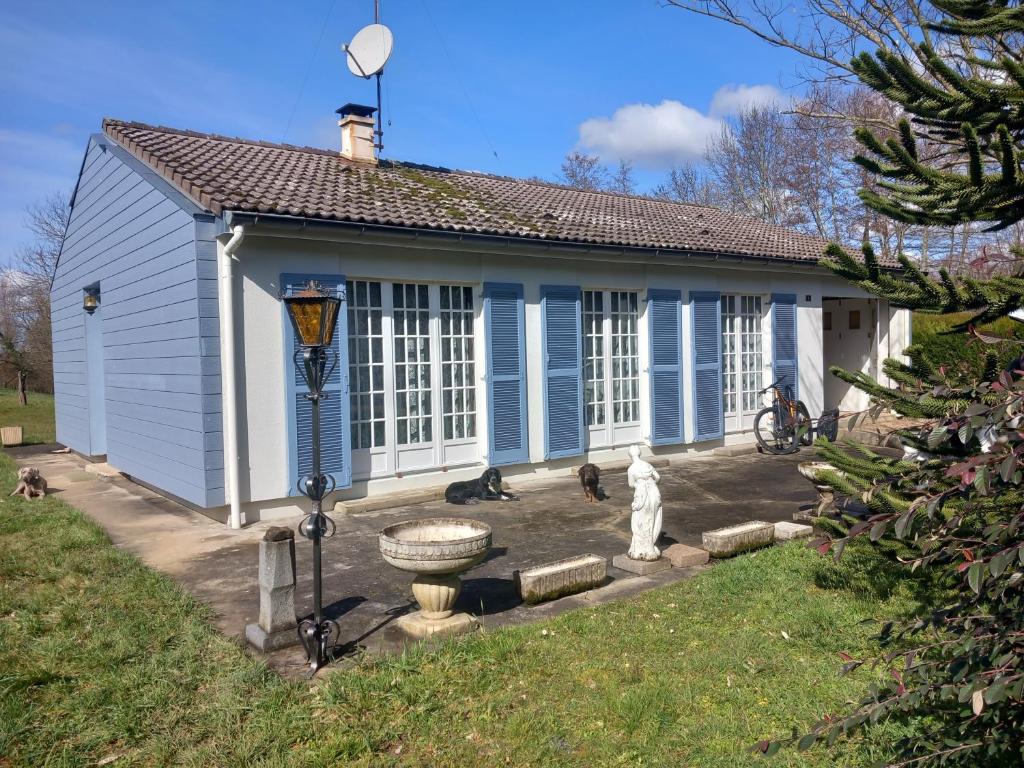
551	522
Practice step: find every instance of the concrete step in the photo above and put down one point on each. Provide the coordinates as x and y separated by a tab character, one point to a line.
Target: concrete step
742	449
390	500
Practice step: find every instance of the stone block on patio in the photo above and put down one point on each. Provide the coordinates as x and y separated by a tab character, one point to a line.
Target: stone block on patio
682	556
563	577
785	531
733	539
640	567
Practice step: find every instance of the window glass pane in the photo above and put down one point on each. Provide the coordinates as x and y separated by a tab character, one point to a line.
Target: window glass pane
742	359
366	380
412	346
593	355
625	363
458	380
728	354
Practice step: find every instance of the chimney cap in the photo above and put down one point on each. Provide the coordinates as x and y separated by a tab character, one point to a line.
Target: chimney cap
356	110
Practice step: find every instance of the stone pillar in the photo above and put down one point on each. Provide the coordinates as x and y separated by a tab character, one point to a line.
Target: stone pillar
277	624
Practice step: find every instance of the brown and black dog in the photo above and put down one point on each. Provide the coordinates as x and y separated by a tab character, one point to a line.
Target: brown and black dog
590	479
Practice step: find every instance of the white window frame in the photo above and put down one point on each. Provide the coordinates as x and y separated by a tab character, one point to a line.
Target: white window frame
742	418
612	433
391	458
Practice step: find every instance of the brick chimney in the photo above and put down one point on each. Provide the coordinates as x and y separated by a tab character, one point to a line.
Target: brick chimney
357	138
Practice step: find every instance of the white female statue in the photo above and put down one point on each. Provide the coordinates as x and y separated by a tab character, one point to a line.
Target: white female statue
646	520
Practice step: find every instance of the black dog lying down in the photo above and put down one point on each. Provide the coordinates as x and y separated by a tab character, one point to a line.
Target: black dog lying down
485	488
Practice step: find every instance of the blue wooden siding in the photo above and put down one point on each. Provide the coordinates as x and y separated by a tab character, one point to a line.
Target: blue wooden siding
706	330
664	324
151	251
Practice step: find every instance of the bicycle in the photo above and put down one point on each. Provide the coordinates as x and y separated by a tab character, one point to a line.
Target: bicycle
785	425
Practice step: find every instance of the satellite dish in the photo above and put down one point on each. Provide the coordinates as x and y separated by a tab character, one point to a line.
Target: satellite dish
369	50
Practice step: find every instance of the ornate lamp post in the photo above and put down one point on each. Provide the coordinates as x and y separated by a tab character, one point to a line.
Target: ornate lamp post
314	316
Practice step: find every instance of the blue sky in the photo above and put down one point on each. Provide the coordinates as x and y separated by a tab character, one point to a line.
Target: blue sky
503	87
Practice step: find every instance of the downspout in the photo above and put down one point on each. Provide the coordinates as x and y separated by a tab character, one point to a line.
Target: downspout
227	348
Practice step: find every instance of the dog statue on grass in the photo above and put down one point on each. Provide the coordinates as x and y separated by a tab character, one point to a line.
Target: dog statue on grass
485	488
31	484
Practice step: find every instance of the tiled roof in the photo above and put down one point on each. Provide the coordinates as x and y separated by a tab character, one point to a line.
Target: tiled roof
226	174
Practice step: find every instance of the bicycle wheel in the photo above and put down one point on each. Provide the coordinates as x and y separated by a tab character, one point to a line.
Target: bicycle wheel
803	422
772	436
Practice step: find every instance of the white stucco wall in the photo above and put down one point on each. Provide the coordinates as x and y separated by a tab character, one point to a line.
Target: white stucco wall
260	331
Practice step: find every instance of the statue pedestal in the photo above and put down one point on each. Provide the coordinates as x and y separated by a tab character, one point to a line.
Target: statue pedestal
416	625
640	567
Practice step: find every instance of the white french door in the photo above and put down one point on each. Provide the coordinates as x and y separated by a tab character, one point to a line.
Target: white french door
743	358
411	377
611	367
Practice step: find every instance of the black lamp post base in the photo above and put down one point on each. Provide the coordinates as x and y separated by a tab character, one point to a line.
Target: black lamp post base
318	640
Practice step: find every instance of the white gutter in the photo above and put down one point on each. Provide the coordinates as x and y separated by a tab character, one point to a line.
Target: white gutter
227	351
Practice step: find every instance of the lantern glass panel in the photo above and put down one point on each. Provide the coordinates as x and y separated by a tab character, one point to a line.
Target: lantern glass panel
306	317
314	315
330	319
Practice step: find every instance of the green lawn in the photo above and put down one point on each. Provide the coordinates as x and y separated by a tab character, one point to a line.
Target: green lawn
102	658
36	418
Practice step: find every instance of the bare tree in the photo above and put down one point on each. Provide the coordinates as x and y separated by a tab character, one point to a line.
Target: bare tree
26	352
622	180
687	184
583	171
749	165
828	33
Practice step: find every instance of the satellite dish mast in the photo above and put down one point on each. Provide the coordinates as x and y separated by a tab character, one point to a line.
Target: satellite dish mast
367	54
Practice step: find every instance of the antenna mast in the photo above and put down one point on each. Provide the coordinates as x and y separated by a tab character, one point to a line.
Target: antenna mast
367	54
380	104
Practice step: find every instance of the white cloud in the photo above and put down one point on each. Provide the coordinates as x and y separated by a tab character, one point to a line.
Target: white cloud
657	136
651	136
733	99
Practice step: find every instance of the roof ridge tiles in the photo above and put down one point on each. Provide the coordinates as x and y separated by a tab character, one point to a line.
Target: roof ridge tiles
246	175
388	163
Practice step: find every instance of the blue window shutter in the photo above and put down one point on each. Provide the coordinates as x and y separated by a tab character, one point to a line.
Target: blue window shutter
563	374
335	437
706	329
664	325
784	355
506	373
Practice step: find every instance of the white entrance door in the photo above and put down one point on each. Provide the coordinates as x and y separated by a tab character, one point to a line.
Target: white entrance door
411	377
611	367
743	358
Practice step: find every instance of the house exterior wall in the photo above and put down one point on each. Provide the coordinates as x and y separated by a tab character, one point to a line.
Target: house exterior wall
262	368
136	239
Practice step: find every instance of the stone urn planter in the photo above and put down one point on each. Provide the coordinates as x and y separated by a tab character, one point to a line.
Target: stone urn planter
437	550
826	497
